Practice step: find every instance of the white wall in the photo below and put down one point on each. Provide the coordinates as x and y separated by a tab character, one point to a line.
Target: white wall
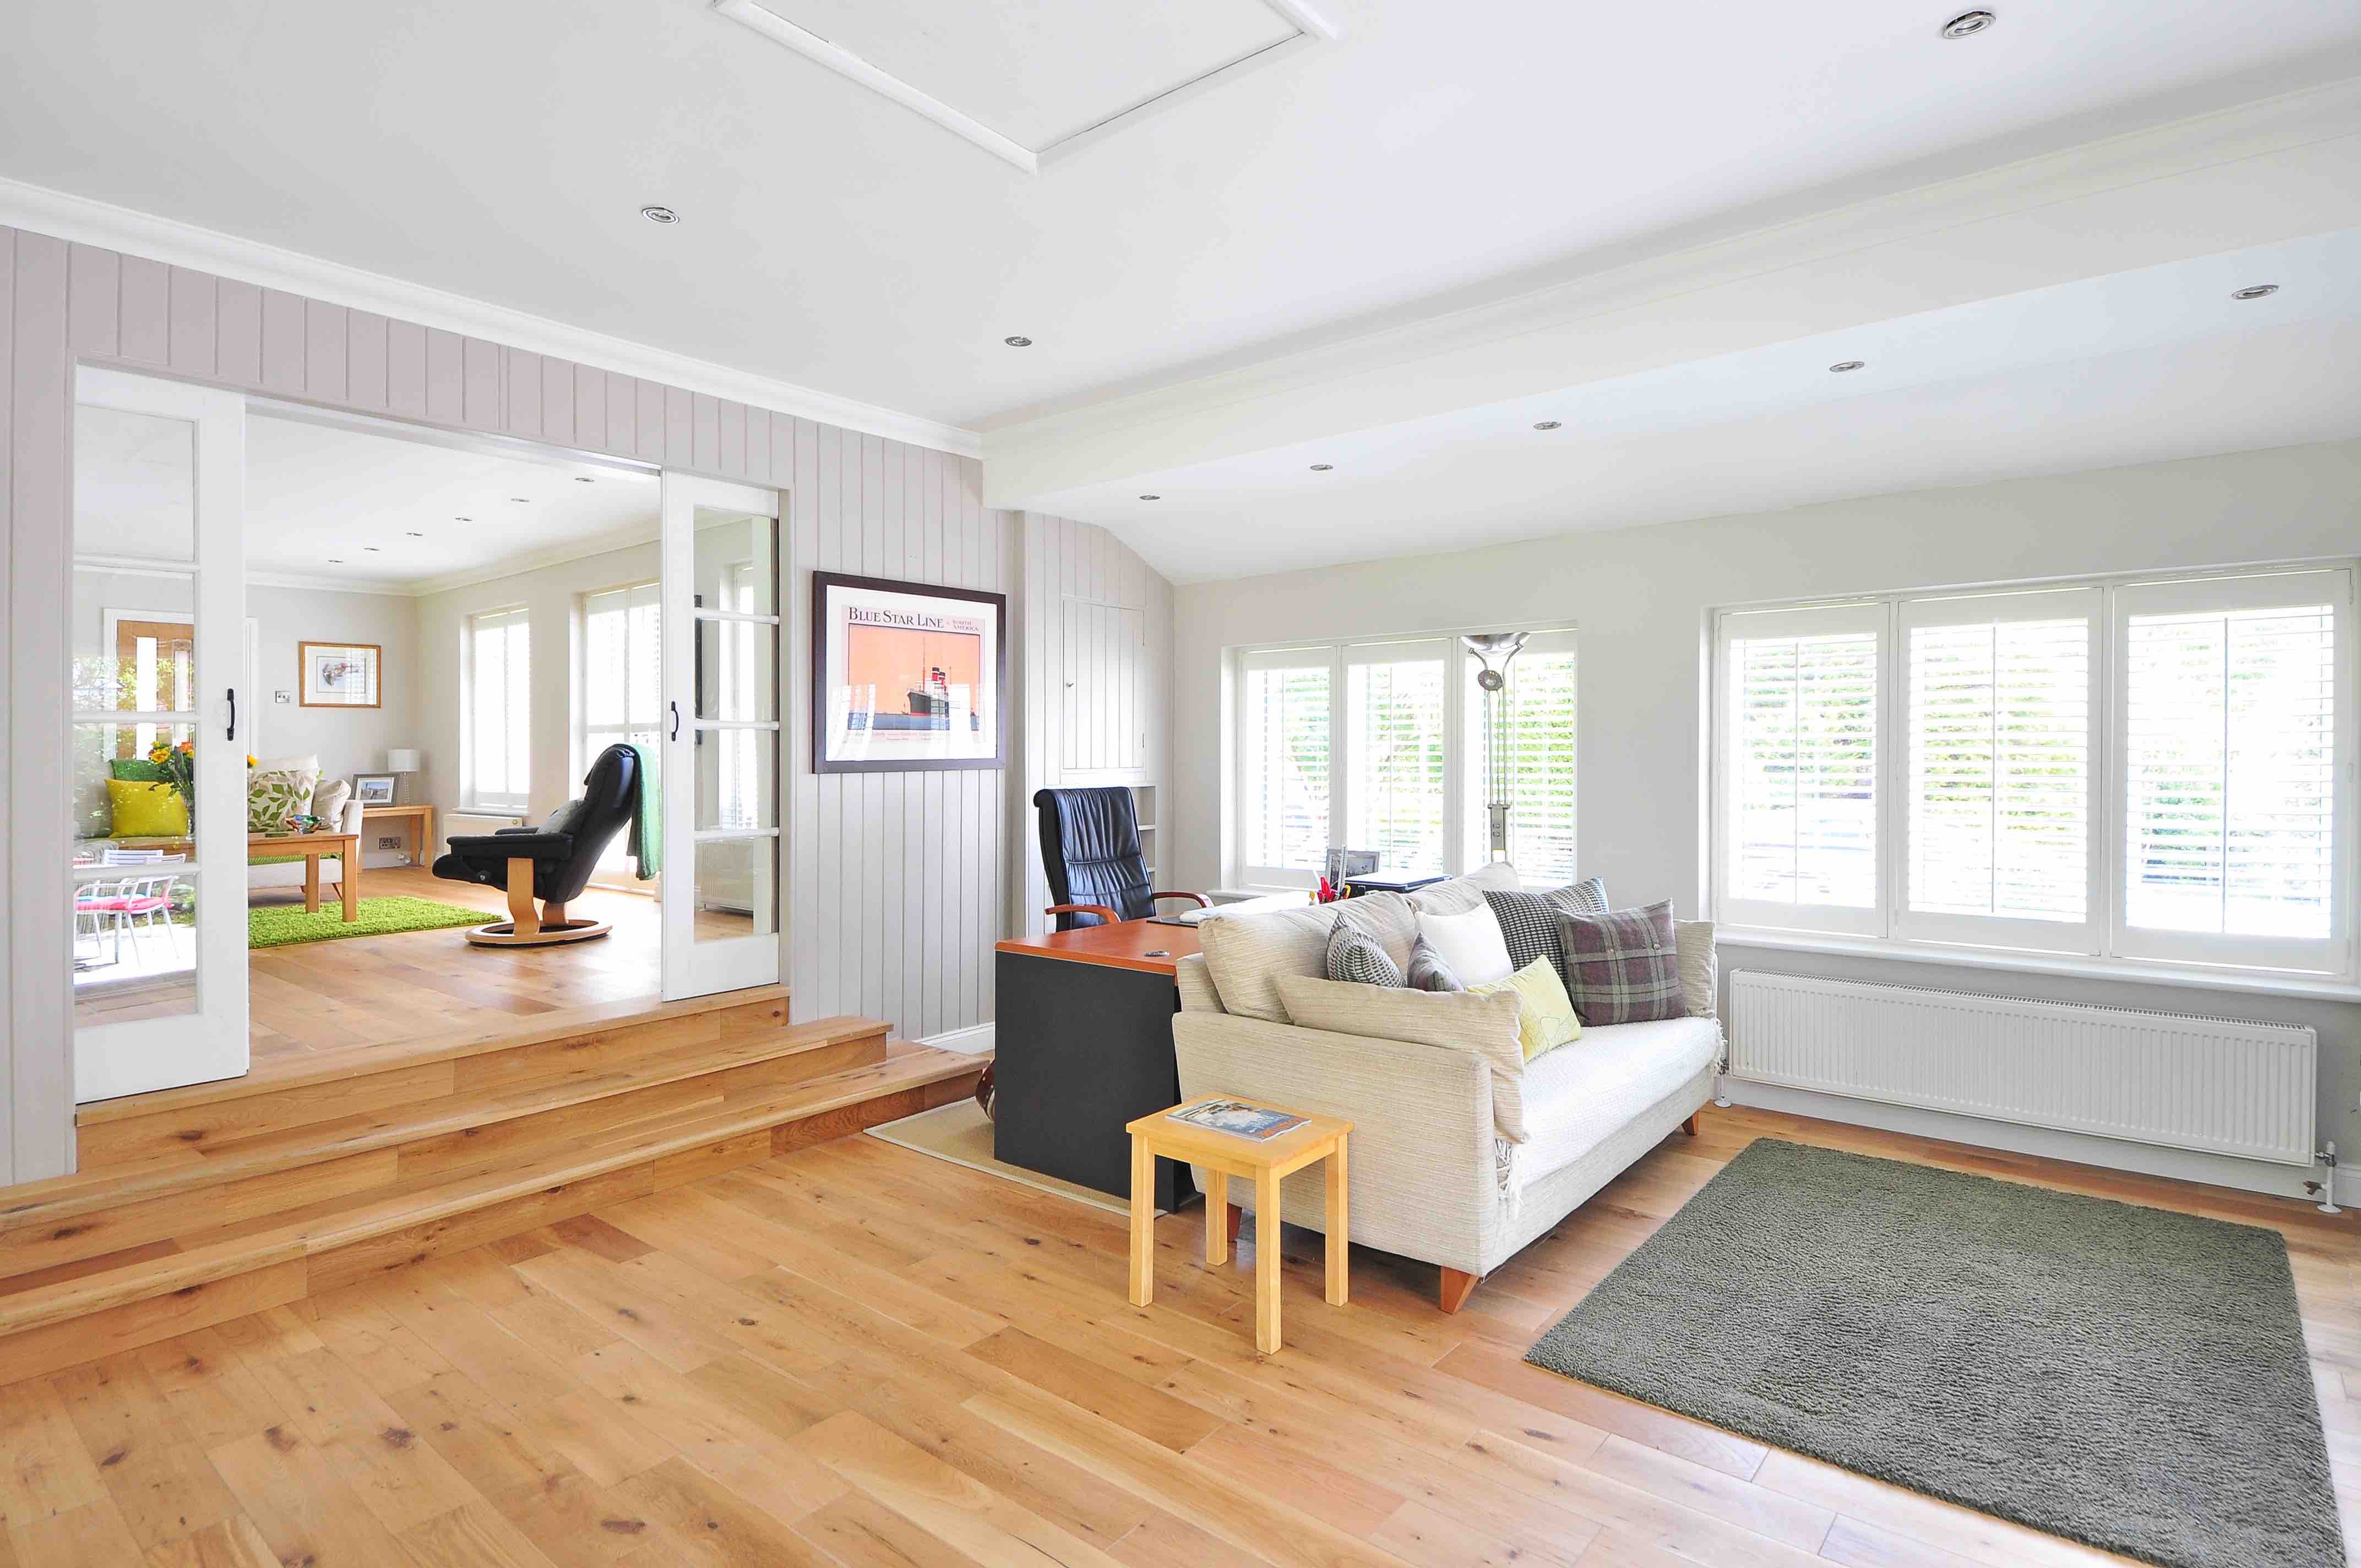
553	596
1640	599
347	740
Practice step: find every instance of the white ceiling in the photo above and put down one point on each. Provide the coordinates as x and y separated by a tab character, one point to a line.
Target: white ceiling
1440	152
2144	365
334	505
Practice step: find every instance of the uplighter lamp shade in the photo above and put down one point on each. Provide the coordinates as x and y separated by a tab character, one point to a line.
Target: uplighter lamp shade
401	759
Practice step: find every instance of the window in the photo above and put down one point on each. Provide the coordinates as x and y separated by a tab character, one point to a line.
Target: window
621	683
499	710
2147	769
1378	746
1538	713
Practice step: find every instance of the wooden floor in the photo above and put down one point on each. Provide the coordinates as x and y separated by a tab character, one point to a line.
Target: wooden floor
854	1354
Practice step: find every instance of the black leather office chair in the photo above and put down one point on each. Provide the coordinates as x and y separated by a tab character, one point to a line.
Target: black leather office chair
552	863
1090	847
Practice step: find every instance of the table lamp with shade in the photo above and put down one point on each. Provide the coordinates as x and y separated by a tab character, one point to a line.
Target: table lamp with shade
400	760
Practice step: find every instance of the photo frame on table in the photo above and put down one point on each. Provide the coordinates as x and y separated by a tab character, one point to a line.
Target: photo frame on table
340	674
373	789
907	676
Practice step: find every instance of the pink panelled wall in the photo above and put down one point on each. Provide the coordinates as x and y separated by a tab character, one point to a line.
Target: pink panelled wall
894	880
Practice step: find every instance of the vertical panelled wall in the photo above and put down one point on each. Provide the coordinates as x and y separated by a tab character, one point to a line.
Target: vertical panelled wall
1095	708
896	882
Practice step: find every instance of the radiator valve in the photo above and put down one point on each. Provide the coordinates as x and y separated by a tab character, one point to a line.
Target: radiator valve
2326	1190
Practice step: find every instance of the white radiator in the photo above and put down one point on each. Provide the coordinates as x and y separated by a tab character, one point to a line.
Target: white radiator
2153	1077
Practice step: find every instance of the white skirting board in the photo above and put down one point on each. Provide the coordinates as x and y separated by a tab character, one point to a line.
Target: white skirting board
2109	1154
975	1039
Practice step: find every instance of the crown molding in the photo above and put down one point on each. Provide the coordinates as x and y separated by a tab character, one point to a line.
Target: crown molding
2276	167
325	585
87	222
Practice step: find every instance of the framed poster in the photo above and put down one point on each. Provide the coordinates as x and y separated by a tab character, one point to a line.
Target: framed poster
339	674
905	677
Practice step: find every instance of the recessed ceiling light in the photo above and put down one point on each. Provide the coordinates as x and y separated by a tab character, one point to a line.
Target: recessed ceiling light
1968	24
412	533
1151	498
370	548
463	520
2257	291
335	560
584	479
1842	365
1017	342
522	501
1548	425
660	215
1322	467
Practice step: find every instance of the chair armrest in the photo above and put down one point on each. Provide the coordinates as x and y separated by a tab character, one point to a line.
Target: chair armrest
1423	1165
514	844
1200	899
1101	910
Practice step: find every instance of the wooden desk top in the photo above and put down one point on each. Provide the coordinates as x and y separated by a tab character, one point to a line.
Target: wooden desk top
1127	944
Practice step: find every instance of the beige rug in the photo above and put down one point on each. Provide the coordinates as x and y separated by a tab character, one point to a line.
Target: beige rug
962	1133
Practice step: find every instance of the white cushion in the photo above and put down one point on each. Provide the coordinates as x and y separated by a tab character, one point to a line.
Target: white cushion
1577	1095
1470	943
1693	950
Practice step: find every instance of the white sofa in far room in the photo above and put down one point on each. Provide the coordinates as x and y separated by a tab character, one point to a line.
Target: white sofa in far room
1449	1164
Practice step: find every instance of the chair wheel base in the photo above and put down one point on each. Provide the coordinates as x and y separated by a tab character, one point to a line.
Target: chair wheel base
503	934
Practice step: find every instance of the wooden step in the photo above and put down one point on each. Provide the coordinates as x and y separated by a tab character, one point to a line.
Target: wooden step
241	1179
212	1275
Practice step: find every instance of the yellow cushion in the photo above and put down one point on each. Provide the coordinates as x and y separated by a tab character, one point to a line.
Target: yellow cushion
1545	1016
144	811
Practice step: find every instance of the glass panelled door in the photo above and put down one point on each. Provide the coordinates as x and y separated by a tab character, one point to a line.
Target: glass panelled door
156	815
722	849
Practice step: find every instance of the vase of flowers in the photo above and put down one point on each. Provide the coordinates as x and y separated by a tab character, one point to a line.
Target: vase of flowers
180	765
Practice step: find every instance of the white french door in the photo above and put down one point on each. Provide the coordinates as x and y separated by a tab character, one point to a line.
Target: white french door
722	627
159	633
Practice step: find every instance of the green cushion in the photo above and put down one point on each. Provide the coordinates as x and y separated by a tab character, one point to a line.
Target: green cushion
138	769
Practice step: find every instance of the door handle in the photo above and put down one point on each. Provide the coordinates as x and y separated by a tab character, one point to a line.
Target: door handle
233	715
676	721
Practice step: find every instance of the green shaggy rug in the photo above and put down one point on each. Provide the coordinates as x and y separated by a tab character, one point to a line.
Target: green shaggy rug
285	926
2128	1377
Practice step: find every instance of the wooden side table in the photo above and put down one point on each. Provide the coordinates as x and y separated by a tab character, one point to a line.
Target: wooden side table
417	827
1266	1164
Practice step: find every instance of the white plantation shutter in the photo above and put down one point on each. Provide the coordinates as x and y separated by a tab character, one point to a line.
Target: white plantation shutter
621	684
1285	702
500	706
2000	736
1541	739
1394	754
2234	692
1799	785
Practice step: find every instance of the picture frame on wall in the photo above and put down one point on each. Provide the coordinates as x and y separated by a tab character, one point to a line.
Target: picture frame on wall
340	674
907	676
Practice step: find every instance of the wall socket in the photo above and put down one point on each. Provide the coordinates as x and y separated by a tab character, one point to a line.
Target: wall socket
388	843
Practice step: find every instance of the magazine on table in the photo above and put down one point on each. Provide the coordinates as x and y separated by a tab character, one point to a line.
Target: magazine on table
1237	1119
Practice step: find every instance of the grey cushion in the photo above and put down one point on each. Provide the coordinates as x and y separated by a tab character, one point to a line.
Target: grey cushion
1357	956
1528	921
1624	967
1427	970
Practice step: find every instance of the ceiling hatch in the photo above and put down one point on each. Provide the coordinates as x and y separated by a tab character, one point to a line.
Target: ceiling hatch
1031	82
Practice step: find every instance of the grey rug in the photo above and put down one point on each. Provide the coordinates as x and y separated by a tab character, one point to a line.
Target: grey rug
2129	1377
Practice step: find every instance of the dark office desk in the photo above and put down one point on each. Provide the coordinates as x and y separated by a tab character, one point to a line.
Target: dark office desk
1083	1045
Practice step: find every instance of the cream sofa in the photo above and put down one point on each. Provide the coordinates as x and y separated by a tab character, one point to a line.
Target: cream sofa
290	873
1457	1159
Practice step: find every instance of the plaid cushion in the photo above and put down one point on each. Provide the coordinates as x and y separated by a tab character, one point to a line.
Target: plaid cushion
1623	967
1355	955
1528	921
1427	970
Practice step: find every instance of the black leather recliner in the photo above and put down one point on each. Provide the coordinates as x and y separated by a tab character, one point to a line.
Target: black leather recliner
1089	847
560	855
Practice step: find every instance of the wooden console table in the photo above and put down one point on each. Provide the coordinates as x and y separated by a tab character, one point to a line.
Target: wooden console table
417	828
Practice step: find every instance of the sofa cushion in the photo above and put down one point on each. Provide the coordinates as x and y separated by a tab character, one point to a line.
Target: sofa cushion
1462	893
145	810
1693	944
1470	943
1545	1018
1356	955
1427	970
1485	1025
1244	953
1528	921
1575	1098
328	797
1623	968
274	794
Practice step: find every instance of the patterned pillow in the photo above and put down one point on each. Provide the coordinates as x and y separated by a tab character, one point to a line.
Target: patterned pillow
1427	970
274	795
1623	967
1355	955
1528	921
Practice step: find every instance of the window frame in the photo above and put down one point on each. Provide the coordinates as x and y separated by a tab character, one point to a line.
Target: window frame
2107	944
475	798
1462	844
